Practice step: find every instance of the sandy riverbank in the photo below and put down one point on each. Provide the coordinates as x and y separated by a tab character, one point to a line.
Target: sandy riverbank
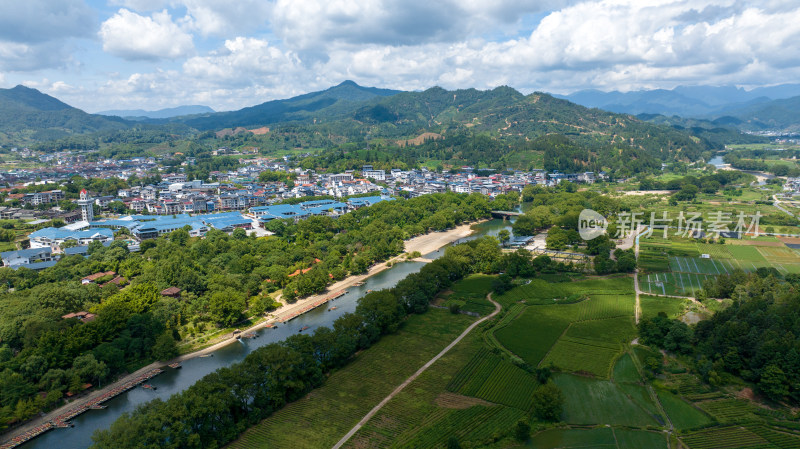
424	244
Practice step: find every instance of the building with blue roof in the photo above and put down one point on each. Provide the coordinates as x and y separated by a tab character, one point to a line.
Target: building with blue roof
26	257
356	203
54	237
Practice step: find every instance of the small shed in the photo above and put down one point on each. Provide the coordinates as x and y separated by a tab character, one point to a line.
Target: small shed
173	292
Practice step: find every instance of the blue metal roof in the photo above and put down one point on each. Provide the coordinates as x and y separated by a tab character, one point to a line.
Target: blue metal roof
26	252
60	233
368	200
36	265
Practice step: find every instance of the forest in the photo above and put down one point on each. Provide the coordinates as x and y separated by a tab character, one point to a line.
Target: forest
755	338
224	279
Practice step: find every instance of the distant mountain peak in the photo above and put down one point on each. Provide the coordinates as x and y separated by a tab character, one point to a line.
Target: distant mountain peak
31	98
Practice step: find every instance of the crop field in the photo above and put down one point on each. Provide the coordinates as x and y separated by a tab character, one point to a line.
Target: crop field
674	266
725	438
582	356
728	410
490	377
593	401
780	437
574	438
600	306
324	415
674	284
625	370
476	423
681	414
591	346
535	331
636	439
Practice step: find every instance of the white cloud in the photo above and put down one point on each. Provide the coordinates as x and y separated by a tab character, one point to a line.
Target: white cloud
33	21
415	44
242	58
313	25
132	36
212	17
37	34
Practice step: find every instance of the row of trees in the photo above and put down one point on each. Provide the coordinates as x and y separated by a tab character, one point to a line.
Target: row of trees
218	407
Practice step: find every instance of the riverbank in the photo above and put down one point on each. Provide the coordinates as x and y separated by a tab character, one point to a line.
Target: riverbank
424	244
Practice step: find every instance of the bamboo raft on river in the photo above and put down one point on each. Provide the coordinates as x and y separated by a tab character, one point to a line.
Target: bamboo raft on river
63	420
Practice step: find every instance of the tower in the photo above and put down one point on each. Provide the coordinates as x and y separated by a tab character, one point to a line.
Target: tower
87	210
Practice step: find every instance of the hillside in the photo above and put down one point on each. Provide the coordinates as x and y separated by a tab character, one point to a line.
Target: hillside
27	115
504	128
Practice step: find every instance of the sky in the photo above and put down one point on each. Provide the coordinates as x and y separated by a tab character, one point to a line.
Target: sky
152	54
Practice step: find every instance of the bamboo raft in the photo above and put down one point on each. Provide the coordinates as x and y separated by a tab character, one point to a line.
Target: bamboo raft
63	420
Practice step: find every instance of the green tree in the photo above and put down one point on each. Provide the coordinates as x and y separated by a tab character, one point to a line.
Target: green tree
548	402
165	347
522	431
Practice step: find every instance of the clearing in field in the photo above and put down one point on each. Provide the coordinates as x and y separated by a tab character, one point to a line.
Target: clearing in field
653	305
470	294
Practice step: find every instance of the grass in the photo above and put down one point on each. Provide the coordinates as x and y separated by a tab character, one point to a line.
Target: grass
592	402
540	291
327	413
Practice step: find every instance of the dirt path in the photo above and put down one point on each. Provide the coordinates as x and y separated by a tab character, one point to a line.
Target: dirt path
637	308
400	388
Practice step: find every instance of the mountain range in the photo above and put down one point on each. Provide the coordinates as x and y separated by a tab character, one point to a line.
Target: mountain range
141	114
766	108
497	126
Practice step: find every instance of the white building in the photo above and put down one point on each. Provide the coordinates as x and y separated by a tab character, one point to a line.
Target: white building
87	208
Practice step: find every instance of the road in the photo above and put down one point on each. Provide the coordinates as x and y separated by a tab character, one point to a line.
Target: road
405	383
637	308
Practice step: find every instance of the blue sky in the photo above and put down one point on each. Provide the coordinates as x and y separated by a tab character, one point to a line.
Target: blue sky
151	54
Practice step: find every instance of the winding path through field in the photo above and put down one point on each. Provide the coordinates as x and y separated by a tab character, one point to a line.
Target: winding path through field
405	383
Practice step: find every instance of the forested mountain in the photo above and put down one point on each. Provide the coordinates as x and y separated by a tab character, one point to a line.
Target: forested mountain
496	128
328	102
27	114
140	114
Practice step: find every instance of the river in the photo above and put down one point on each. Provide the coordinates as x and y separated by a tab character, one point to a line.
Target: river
176	380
